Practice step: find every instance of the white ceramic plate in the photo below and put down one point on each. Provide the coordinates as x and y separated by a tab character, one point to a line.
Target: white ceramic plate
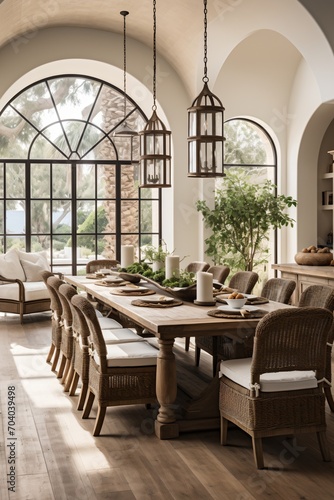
133	289
112	279
245	308
159	299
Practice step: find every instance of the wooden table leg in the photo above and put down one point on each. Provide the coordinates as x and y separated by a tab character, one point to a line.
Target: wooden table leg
165	425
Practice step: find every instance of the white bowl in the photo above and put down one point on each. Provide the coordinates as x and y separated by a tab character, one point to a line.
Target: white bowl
236	303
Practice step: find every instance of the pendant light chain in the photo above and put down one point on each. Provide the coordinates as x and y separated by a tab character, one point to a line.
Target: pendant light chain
154	107
124	13
205	77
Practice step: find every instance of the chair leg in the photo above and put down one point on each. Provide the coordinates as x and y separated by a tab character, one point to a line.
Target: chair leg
69	378
214	365
186	343
88	405
82	398
74	384
323	444
223	430
55	359
66	370
258	452
50	354
197	355
101	412
329	397
61	367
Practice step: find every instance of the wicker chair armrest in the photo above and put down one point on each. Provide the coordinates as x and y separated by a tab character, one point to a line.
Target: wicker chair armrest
20	284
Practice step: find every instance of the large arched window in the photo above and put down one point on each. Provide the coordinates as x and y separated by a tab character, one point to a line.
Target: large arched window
68	184
250	152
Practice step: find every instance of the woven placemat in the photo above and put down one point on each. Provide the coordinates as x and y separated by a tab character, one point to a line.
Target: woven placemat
256	301
218	313
171	303
134	293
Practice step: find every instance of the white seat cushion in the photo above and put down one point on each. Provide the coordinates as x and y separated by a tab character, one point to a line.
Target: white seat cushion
130	354
108	323
33	291
119	335
238	370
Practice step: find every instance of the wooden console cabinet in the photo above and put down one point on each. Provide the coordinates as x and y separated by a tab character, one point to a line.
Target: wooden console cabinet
305	276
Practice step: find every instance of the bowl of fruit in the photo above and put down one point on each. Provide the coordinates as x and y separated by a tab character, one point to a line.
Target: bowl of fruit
313	256
236	300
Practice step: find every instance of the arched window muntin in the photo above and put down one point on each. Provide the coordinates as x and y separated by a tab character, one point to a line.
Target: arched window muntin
146	204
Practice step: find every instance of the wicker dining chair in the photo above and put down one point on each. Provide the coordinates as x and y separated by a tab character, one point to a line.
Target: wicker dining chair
119	374
112	331
220	274
279	391
197	266
278	290
244	282
56	327
66	344
322	296
95	265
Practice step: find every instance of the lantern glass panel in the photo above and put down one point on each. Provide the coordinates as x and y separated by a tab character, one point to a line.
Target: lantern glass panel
192	157
219	123
219	156
206	123
192	124
206	157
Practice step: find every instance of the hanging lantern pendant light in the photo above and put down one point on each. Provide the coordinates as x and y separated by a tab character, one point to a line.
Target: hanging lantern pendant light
155	140
206	128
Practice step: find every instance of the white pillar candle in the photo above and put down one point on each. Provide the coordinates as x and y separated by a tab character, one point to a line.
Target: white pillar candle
204	287
172	266
127	255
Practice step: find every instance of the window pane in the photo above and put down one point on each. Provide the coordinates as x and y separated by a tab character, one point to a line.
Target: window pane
129	214
1	180
106	187
61	180
129	186
85	247
15	180
247	143
85	181
41	242
40	216
15	217
149	216
106	246
40	180
86	217
62	217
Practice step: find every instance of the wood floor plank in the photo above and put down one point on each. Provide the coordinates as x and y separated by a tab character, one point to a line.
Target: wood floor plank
59	459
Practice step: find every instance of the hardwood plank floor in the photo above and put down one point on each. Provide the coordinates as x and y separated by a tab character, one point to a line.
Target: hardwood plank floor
57	458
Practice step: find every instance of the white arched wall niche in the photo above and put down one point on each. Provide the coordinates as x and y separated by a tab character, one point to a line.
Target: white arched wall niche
100	54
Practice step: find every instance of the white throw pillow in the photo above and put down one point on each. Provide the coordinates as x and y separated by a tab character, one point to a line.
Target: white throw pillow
10	266
33	270
35	257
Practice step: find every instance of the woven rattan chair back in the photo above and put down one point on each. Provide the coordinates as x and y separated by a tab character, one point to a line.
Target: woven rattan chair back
244	281
322	296
95	265
285	340
278	290
197	266
56	328
219	273
111	385
291	339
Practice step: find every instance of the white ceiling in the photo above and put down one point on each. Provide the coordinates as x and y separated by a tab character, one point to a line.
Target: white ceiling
179	23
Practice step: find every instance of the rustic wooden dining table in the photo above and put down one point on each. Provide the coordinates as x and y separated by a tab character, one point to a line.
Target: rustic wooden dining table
166	324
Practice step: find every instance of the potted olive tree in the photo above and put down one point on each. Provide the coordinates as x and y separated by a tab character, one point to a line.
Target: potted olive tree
240	222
